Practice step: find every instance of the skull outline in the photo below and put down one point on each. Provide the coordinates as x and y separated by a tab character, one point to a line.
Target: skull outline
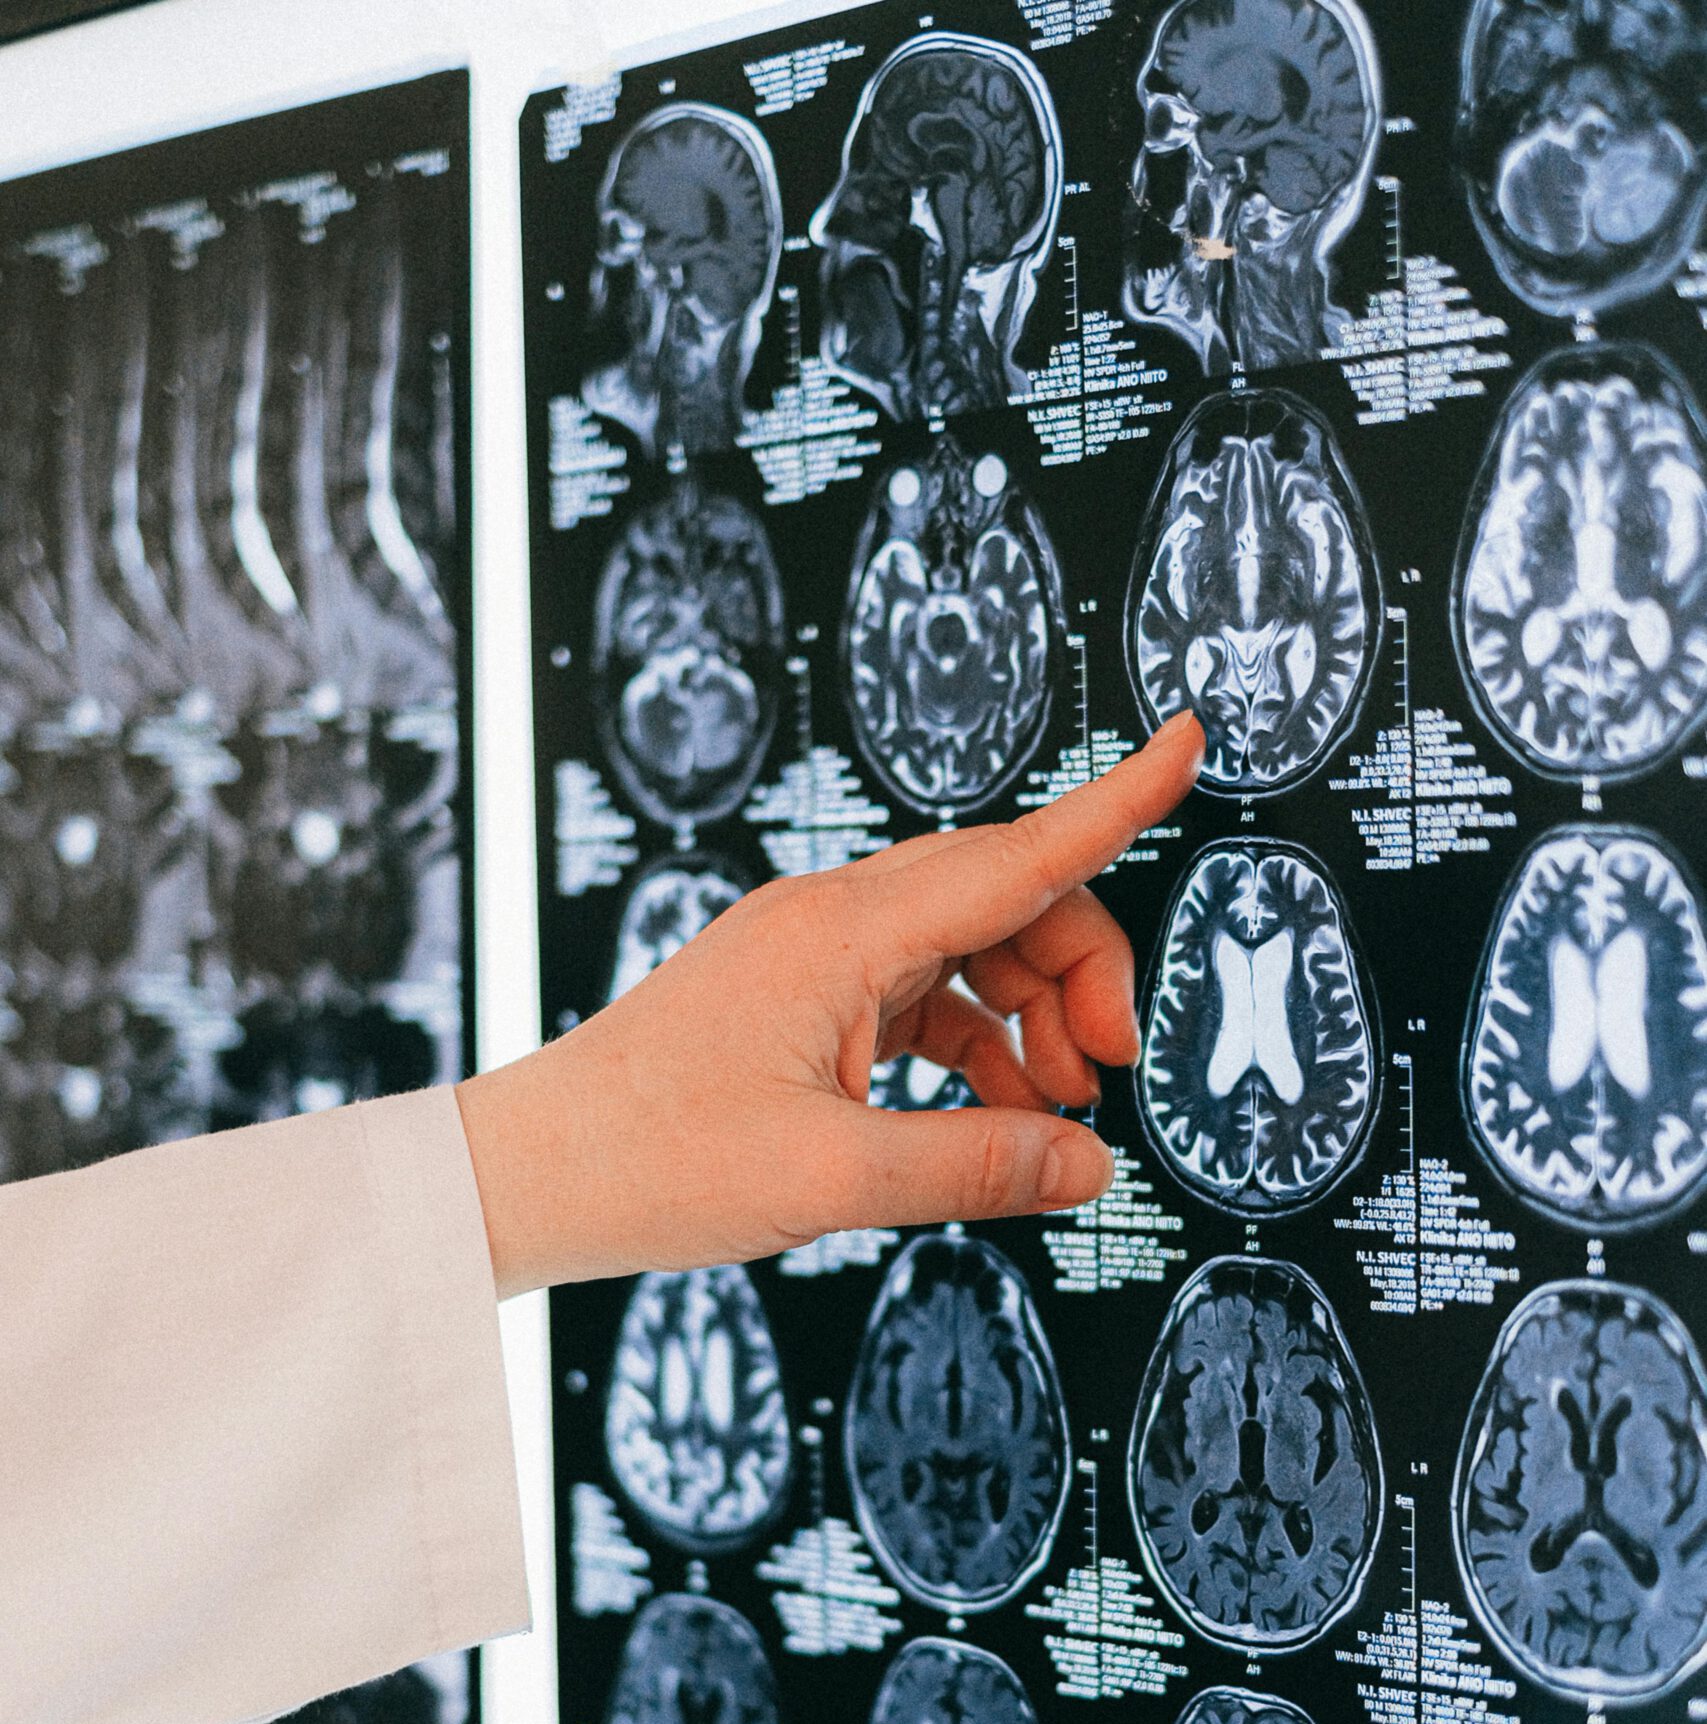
1242	278
677	364
990	303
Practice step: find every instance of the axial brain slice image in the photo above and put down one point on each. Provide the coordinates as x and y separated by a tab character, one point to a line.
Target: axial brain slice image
687	633
1586	1052
672	901
1581	598
1260	124
1255	600
696	1428
690	231
1255	1471
691	1660
953	630
942	1682
1260	1072
1581	132
1578	1513
1240	1706
956	1433
939	225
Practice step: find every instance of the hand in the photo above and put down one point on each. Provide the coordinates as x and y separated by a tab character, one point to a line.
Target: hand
717	1111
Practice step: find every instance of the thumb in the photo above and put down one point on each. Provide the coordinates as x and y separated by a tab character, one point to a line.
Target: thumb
968	1164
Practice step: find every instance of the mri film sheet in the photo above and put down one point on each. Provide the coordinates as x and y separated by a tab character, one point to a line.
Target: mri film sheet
234	644
924	406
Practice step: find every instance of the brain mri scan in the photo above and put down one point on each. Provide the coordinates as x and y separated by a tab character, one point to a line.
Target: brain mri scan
939	226
690	233
1577	1512
673	899
1260	1073
1260	123
1240	1706
953	633
1580	603
943	1682
911	1084
1255	1471
956	1434
696	1428
1255	600
687	636
1581	131
1585	1063
691	1660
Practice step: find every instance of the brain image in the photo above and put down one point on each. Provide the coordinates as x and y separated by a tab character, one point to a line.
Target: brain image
943	1682
1581	130
911	1084
1580	604
1260	122
692	1660
690	231
696	1429
937	229
1240	1706
1585	1060
1255	599
1255	1472
956	1433
1578	1516
1260	1074
953	630
671	902
687	635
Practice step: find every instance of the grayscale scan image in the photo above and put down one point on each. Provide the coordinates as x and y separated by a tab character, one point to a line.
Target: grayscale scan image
953	630
1255	600
1256	1475
1257	123
687	639
1582	139
911	1084
1580	606
1585	1058
692	1660
936	231
672	900
696	1426
1240	1706
942	1682
690	231
1578	1516
956	1432
1260	1073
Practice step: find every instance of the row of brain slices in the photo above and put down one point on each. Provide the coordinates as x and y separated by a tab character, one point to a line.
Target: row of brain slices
1254	1467
1255	598
1579	143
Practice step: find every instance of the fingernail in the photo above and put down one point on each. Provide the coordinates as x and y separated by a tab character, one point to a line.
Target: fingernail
1074	1170
1177	727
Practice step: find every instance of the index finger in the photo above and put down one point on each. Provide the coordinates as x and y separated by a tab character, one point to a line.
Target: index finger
958	899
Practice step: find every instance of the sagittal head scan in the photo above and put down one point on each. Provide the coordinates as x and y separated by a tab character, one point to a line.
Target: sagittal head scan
943	1682
1255	1471
1240	1706
939	226
670	903
690	232
1255	600
687	635
956	1432
696	1427
691	1660
1260	1073
1261	119
953	631
1578	1515
1581	132
1580	605
1585	1062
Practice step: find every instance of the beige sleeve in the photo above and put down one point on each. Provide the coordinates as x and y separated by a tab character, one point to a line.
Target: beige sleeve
254	1436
